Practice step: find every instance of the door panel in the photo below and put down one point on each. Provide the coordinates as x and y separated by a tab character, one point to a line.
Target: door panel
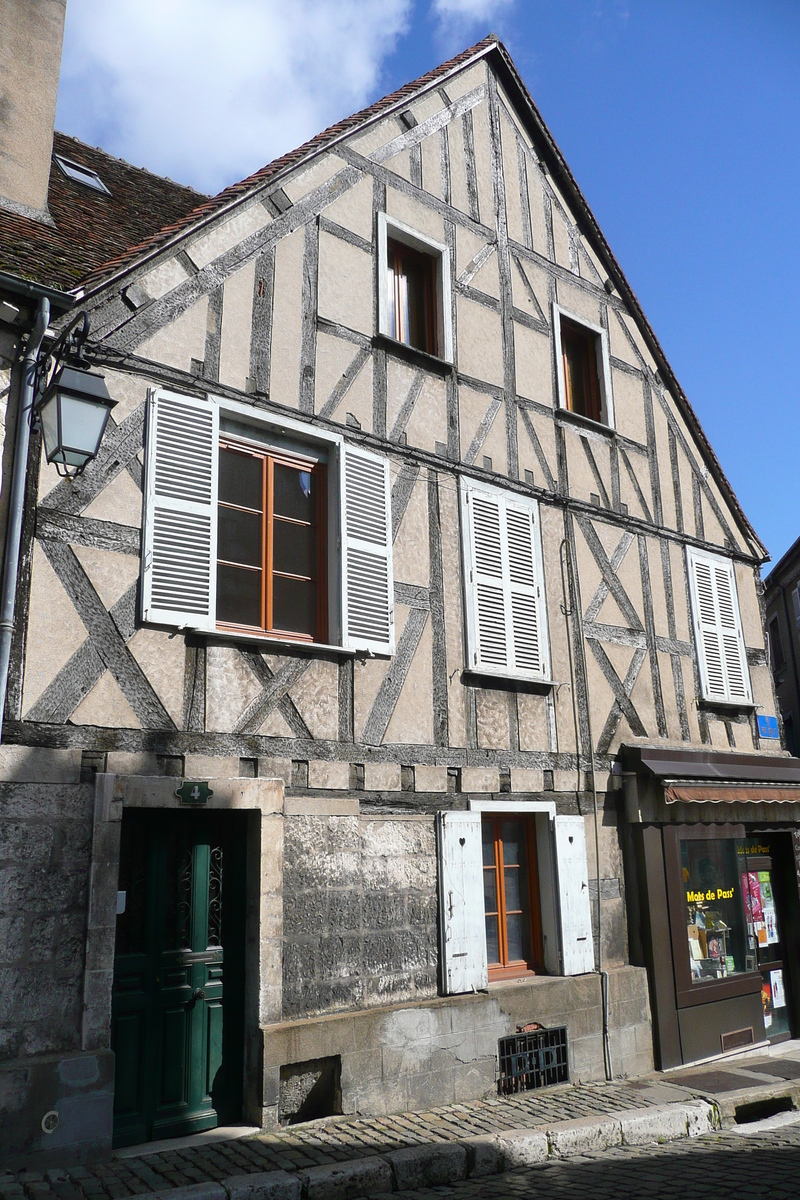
178	987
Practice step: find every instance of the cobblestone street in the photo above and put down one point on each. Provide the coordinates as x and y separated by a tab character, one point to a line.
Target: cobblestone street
747	1163
646	1137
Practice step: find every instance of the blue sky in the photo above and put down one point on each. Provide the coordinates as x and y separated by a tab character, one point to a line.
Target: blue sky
680	121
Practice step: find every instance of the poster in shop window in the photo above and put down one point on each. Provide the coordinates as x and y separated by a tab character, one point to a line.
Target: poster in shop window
778	994
768	907
766	1000
754	911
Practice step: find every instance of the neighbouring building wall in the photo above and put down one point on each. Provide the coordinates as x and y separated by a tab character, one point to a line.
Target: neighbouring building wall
30	64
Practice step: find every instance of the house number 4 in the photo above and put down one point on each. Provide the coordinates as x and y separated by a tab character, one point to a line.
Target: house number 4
193	793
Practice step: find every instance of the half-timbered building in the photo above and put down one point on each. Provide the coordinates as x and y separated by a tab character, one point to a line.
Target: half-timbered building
405	602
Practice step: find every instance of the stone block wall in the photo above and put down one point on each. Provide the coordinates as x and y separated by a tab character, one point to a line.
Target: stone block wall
45	847
444	1050
359	915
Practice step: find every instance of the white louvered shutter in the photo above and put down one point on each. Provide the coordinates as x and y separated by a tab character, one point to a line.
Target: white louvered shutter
180	534
505	601
462	923
524	590
367	583
718	629
574	904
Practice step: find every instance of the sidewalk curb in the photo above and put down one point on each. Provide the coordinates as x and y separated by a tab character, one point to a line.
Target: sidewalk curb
437	1163
728	1102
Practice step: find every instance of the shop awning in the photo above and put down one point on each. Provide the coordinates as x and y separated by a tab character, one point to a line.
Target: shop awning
703	793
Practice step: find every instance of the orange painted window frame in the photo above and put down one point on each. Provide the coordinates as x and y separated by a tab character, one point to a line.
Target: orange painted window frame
318	471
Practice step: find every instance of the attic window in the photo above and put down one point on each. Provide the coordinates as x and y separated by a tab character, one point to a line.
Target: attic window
414	290
81	174
584	377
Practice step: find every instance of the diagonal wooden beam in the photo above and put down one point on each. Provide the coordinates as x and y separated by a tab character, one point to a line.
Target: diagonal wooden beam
385	702
526	283
537	446
475	264
407	407
482	432
107	640
402	488
608	569
590	458
348	378
275	695
418	133
623	705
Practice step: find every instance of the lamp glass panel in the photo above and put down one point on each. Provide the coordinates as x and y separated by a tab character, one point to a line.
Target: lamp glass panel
49	417
82	424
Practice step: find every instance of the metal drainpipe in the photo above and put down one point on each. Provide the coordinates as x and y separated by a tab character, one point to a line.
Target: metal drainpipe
17	499
575	610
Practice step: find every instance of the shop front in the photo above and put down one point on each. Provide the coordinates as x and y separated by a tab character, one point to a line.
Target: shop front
712	849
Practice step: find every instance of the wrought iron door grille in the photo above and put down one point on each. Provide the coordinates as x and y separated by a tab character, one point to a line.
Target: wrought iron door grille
533	1060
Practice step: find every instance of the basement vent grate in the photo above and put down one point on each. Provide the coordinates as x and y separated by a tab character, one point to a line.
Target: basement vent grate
534	1059
737	1038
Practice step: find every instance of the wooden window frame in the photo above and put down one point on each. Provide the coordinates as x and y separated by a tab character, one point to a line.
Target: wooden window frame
269	458
566	326
584	346
437	256
535	964
396	253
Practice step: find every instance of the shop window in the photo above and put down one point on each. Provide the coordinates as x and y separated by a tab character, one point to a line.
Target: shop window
254	529
504	584
511	895
414	289
766	950
715	915
583	373
721	653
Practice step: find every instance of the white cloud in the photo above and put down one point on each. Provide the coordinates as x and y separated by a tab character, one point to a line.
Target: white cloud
459	21
207	92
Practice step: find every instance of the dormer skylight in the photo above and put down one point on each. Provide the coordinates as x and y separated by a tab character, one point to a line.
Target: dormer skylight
81	174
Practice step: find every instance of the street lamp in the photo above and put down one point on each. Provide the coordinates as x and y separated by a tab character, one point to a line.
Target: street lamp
74	406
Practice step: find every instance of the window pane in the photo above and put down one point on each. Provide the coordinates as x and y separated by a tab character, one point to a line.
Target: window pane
416	301
239	536
492	940
719	942
391	313
293	495
489	891
512	885
294	605
240	479
579	351
513	842
294	549
514	936
410	292
488	843
238	595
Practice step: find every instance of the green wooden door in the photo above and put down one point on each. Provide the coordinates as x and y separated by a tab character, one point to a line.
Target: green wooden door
177	998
